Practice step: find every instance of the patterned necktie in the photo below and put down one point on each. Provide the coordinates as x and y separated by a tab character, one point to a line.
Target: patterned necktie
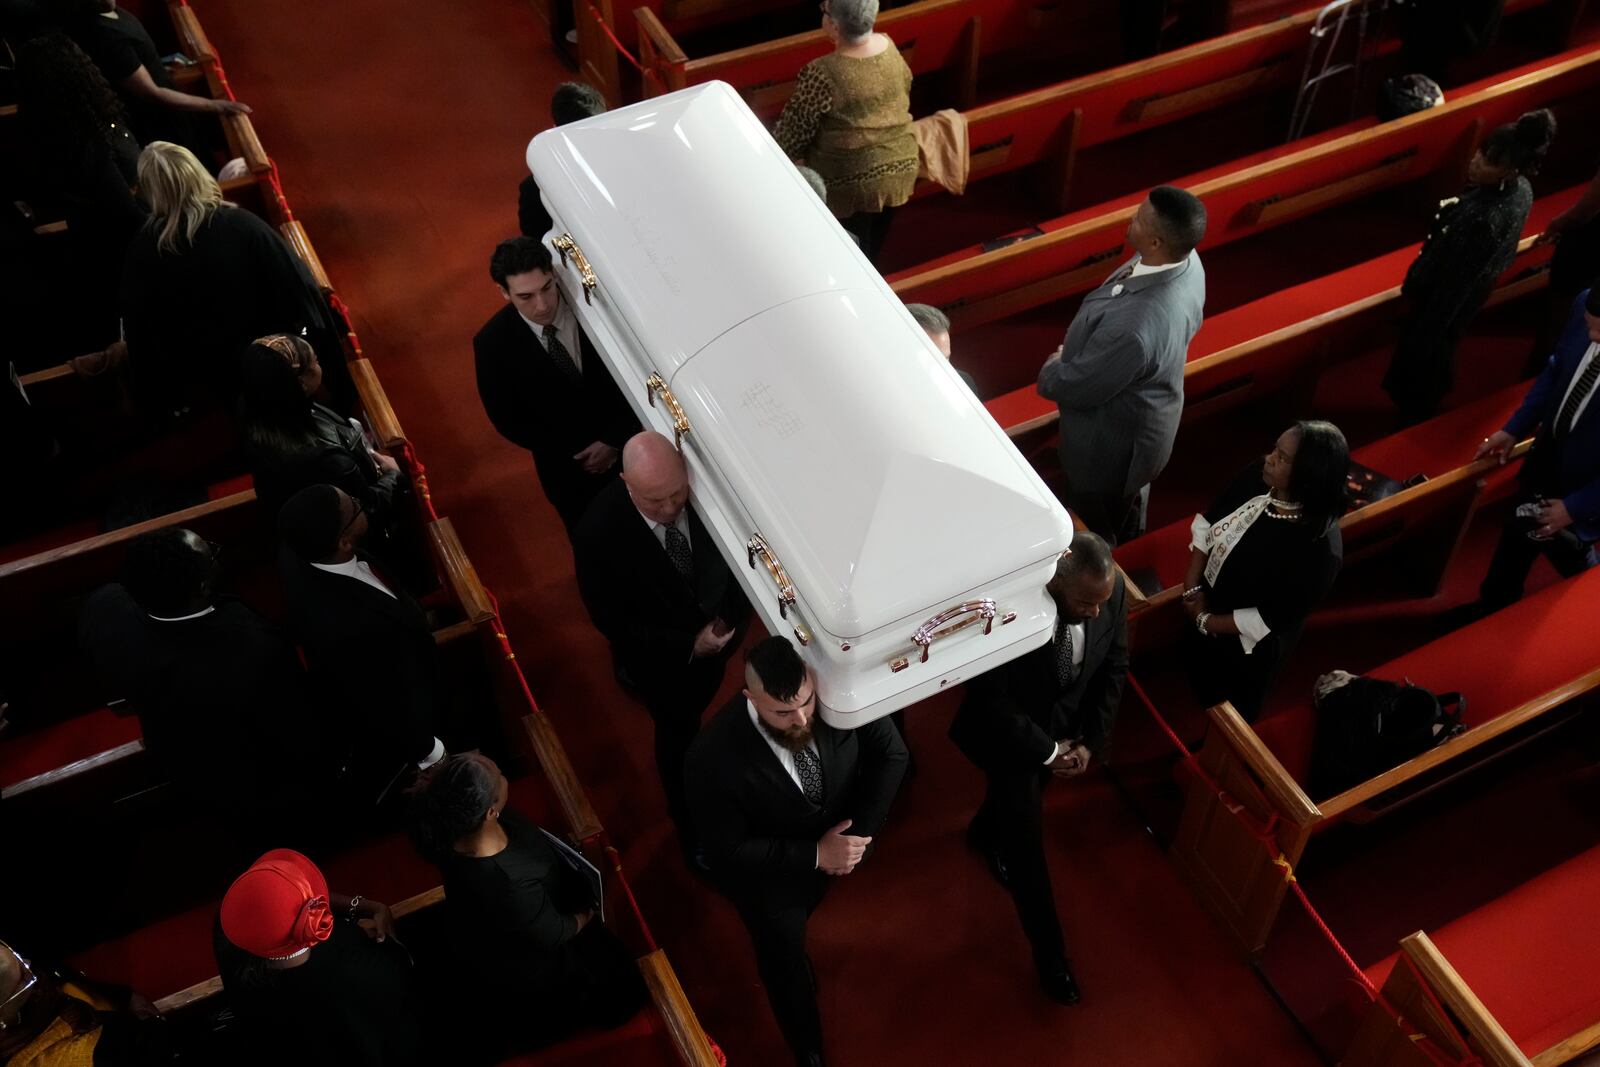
1066	671
558	353
810	769
678	552
1569	410
1122	275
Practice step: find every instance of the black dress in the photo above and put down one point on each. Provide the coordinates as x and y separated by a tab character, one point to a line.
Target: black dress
188	314
352	1004
1283	570
1470	244
120	46
513	915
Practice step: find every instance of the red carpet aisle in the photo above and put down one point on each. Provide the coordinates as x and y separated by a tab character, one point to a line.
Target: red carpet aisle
400	130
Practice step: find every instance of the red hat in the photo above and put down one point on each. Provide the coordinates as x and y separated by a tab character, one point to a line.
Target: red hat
278	907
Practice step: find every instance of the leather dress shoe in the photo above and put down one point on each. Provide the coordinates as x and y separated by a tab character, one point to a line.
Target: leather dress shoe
991	856
1055	978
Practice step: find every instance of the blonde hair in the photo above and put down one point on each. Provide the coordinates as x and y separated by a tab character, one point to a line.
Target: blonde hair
181	193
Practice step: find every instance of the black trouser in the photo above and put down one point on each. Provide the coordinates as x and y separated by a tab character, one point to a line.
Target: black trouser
1422	370
676	708
775	913
870	228
1011	821
1514	557
1115	517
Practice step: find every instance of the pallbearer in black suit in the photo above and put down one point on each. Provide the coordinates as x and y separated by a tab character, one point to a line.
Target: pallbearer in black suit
543	385
782	801
1046	714
655	585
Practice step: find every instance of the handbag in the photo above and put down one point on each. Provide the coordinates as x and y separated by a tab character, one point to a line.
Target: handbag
1366	726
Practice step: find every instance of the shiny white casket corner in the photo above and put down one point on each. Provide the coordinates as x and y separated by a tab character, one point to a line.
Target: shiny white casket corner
822	421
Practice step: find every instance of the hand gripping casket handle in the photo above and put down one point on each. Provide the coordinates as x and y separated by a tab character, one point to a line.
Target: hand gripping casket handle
568	247
757	546
978	610
656	385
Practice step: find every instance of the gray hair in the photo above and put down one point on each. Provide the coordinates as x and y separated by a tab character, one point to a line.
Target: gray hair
855	18
814	180
930	318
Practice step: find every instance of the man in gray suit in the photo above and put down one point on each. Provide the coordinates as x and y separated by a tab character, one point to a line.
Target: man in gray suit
1118	375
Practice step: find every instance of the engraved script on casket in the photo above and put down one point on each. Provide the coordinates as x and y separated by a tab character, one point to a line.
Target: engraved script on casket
769	411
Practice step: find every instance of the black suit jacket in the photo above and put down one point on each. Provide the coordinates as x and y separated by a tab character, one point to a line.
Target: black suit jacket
373	656
753	820
538	406
221	698
637	598
1013	715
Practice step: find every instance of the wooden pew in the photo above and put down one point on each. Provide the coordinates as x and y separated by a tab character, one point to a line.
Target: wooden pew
1284	341
1509	700
668	1031
1071	254
1515	977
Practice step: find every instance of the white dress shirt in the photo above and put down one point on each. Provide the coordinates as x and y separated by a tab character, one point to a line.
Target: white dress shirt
786	758
357	569
566	324
1141	267
1577	373
183	618
1080	637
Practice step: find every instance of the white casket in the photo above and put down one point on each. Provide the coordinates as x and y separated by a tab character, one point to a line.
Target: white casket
867	501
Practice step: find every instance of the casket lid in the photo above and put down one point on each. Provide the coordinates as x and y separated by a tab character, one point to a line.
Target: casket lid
673	202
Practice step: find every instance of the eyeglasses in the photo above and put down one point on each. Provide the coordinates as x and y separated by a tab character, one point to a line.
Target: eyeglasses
29	980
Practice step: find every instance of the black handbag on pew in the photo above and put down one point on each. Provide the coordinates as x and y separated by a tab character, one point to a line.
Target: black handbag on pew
1366	726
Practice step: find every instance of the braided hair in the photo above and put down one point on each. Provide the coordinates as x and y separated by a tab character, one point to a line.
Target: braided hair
449	801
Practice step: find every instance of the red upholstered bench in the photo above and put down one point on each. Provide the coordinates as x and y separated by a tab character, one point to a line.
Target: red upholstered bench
642	1040
1516	668
1529	958
27	755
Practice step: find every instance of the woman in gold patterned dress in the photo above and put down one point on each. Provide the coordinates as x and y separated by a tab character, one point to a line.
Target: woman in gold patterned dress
850	120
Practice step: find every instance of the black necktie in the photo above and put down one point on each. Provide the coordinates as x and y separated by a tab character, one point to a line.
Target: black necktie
1065	670
810	770
678	552
1585	386
558	353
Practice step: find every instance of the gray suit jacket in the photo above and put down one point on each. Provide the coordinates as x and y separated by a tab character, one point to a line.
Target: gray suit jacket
1119	380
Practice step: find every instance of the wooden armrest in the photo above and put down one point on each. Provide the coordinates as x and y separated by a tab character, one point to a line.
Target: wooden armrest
48	374
58	775
242	135
45	229
192	39
187	77
300	241
411	905
381	418
1462	742
1570	1049
694	1047
1483	1032
8	111
552	757
654	33
1277	784
459	572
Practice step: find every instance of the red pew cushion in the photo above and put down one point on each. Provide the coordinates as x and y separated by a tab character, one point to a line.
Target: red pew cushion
1513	656
641	1040
1529	955
25	755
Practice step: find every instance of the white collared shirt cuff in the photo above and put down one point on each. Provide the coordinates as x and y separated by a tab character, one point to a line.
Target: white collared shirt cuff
1253	629
1055	750
1200	534
816	863
433	757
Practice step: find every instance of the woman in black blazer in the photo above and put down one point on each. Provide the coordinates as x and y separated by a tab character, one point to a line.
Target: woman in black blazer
523	919
291	441
1261	557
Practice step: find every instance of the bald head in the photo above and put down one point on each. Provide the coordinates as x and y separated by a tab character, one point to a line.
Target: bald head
655	476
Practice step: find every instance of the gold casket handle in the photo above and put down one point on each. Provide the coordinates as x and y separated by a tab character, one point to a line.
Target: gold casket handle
757	546
935	628
657	385
568	247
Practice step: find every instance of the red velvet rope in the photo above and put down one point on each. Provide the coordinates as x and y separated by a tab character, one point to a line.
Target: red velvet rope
606	29
1264	833
627	891
419	478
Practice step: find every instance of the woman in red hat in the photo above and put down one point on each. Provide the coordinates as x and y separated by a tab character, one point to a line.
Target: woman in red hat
522	914
315	977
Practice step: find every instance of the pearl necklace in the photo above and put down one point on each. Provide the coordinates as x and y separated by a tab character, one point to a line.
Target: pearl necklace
1282	510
